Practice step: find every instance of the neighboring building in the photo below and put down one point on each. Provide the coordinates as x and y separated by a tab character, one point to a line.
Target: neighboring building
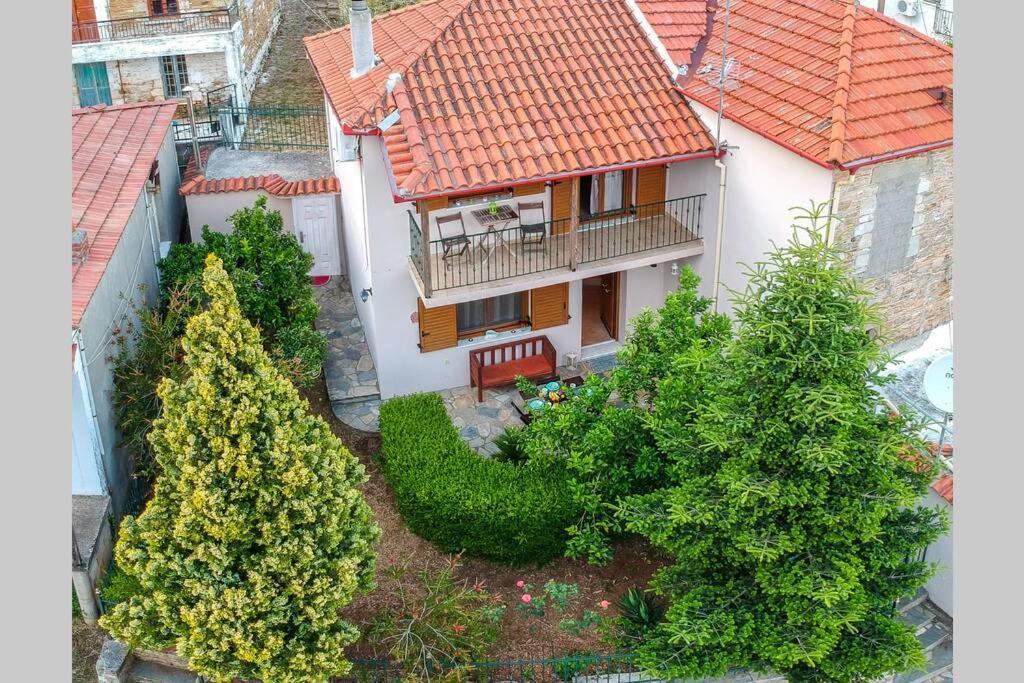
300	186
933	18
450	107
827	100
125	208
147	50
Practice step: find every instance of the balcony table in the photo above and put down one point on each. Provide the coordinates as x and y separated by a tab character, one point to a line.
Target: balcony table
491	221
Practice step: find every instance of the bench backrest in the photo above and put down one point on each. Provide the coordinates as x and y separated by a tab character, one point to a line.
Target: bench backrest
513	350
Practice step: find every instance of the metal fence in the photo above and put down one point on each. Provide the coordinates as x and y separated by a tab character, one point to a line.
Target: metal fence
150	26
943	22
280	129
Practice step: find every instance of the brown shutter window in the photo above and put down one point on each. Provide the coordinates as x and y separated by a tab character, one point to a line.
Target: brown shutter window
561	206
437	203
523	190
650	189
549	306
437	327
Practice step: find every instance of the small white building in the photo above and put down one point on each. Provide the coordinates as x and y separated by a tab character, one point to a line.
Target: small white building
125	210
146	50
505	177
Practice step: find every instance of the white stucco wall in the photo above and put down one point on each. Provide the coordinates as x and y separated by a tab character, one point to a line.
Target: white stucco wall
215	210
376	235
692	178
132	263
940	587
764	181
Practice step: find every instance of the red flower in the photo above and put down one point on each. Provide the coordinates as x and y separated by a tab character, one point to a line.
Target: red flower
520	583
458	628
527	598
604	604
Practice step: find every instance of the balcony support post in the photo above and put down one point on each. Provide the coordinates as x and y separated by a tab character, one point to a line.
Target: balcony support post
574	222
424	213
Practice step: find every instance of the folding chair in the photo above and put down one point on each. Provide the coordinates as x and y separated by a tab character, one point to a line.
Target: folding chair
532	227
453	237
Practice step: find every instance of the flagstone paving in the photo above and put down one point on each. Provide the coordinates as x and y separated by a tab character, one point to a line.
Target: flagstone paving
348	366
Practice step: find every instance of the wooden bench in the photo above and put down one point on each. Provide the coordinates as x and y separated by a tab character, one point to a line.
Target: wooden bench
498	365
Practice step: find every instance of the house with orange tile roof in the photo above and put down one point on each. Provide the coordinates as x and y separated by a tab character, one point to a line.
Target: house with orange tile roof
125	211
831	101
510	170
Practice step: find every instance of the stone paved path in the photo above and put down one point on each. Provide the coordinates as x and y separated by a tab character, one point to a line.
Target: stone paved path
348	366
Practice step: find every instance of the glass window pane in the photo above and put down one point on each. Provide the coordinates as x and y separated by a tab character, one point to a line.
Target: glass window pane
613	190
505	309
470	315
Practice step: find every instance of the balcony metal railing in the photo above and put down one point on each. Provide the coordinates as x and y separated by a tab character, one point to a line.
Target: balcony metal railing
503	253
151	26
943	22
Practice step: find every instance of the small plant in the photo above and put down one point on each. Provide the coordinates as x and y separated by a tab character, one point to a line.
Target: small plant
511	445
568	668
578	626
439	623
640	613
561	594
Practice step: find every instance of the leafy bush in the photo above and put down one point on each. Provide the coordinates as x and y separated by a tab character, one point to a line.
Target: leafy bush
437	622
119	586
270	274
511	445
459	500
256	536
146	354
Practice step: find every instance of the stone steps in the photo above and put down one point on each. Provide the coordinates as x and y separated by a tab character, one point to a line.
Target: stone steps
151	672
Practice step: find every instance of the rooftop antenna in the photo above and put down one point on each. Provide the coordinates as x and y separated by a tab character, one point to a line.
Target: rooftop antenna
726	66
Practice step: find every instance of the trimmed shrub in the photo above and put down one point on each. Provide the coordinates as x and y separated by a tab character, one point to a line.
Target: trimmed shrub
461	501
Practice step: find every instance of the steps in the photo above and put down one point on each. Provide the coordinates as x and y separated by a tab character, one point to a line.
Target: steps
151	672
936	637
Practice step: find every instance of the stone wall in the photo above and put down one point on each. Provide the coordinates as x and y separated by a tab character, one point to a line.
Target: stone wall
259	20
140	80
896	220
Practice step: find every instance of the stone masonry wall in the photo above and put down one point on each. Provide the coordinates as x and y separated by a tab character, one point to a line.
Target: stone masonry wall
896	220
140	80
259	19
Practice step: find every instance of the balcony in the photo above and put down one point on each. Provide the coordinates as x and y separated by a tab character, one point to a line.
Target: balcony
152	26
943	25
502	258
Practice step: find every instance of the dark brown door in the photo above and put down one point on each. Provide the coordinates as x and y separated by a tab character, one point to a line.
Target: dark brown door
610	303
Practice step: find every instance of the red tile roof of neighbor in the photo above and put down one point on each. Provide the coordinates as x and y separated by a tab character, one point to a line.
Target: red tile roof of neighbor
112	152
680	25
502	91
833	81
944	487
272	184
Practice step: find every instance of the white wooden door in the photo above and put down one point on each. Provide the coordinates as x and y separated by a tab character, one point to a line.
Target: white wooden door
317	230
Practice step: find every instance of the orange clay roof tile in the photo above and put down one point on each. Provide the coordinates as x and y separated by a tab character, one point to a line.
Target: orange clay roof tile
272	184
112	153
836	82
501	91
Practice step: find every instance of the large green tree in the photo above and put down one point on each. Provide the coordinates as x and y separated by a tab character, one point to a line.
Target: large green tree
791	508
256	535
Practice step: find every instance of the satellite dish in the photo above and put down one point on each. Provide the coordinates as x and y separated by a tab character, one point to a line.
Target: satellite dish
938	383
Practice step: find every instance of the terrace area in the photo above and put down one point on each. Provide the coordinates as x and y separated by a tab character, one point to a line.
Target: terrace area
509	253
151	26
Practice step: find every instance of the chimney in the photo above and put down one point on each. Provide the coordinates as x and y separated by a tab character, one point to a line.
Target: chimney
361	33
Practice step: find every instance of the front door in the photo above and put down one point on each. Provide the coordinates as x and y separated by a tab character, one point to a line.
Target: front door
610	303
93	86
317	230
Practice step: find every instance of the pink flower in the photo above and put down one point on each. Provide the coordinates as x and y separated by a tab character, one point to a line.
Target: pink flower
604	604
520	583
527	598
458	628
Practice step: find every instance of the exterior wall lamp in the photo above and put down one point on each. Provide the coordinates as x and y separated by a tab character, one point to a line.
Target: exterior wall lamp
365	294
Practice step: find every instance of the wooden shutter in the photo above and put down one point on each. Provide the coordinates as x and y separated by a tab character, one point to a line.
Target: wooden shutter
650	188
549	306
523	190
437	327
561	206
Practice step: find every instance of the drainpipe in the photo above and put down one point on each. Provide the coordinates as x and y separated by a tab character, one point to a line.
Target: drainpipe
720	237
82	372
153	223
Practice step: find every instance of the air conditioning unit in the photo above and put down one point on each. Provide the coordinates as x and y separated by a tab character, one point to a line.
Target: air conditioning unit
908	8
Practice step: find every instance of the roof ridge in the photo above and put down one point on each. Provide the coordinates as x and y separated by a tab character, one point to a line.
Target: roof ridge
100	108
841	98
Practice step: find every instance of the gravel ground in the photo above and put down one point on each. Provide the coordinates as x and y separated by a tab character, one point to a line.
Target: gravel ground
86	642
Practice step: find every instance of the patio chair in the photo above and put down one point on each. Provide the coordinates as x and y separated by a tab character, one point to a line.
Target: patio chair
453	237
532	227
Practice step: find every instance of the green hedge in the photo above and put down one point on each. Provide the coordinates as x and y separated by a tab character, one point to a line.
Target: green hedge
459	500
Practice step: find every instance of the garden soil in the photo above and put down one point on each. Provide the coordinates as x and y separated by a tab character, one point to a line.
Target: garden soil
522	636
